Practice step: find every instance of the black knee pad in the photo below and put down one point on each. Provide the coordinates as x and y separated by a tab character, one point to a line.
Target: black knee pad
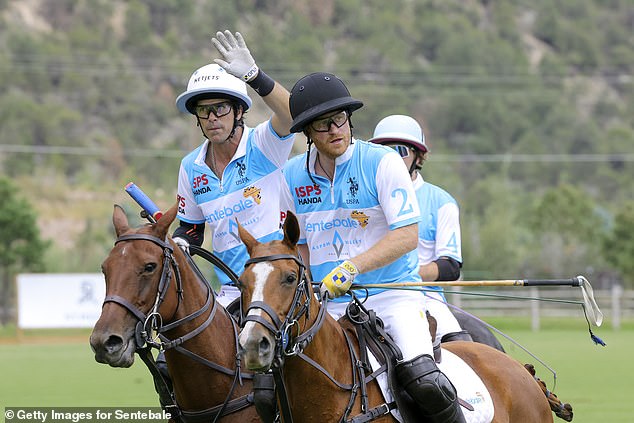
425	383
431	390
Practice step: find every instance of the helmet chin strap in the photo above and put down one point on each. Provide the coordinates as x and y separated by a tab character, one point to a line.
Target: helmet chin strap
415	164
310	141
310	175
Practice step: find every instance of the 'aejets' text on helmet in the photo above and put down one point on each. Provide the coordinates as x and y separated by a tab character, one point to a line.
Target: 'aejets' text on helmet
316	94
400	129
212	81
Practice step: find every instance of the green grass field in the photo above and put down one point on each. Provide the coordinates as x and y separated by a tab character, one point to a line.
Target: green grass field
596	380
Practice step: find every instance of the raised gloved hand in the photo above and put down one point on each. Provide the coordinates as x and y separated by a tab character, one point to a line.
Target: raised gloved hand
237	57
338	281
182	243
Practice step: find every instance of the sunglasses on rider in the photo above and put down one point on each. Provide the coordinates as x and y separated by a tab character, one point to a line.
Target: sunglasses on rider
401	149
218	109
323	125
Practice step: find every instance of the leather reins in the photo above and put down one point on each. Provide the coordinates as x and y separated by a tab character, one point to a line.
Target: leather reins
153	322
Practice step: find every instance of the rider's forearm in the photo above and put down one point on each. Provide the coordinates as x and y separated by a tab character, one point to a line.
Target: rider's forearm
429	271
277	101
395	244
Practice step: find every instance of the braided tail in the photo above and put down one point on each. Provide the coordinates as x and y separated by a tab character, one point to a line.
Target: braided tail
561	410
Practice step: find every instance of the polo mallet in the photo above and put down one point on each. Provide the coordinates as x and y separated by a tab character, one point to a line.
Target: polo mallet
590	308
150	210
152	213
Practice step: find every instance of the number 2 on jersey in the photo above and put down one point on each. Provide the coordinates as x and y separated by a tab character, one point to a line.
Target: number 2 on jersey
405	206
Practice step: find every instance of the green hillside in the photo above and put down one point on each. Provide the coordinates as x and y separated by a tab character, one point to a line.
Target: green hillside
528	107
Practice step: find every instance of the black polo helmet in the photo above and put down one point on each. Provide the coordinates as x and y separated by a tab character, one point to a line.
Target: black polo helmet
316	94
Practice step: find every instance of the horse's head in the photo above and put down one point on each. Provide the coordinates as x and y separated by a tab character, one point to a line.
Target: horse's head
275	291
134	275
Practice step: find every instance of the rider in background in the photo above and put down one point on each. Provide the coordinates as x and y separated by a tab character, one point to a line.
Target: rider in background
358	217
439	244
236	172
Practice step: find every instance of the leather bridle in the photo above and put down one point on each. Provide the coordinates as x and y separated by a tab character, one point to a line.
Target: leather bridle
152	322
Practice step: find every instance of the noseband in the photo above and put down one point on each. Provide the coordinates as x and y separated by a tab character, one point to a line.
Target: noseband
285	344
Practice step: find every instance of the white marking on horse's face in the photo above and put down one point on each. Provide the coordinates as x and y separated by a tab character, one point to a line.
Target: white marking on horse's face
262	271
123	250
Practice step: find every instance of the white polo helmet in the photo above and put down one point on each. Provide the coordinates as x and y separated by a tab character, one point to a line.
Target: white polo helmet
212	81
400	129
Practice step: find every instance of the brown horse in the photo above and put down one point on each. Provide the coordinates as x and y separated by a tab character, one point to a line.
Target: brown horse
286	328
150	284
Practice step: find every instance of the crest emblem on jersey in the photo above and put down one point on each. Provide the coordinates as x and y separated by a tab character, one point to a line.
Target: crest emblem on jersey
242	168
253	192
360	217
354	186
353	190
242	179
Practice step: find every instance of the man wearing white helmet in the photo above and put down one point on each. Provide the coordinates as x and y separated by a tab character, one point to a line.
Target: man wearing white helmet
236	172
439	244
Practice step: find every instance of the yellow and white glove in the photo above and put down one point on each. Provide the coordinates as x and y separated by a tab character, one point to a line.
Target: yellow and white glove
237	57
338	281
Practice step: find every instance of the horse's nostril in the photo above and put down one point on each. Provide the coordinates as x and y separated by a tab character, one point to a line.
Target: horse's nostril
113	344
265	345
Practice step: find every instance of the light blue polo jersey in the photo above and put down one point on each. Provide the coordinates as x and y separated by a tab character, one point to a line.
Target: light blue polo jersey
439	231
248	191
370	195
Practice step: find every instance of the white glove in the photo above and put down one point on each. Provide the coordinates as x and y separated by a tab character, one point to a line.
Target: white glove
237	57
338	281
182	243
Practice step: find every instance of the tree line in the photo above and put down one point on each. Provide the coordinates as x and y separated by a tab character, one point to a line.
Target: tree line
528	109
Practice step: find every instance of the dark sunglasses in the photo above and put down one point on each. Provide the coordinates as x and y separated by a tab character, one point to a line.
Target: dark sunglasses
218	109
323	125
401	149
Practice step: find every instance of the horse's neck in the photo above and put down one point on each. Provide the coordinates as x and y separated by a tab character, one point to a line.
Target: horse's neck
196	293
329	347
196	384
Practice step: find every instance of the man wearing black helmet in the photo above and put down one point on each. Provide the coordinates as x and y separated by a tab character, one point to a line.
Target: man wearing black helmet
358	218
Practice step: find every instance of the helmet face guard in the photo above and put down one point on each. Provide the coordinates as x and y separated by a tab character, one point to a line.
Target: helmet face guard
316	94
212	81
400	129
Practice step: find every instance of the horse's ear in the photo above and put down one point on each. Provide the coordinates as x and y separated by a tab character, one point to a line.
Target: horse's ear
291	229
119	220
249	240
164	222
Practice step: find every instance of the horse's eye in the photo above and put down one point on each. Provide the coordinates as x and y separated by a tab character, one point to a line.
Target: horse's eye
290	279
149	267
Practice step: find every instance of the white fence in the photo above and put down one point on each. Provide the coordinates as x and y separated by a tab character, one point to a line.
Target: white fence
74	300
616	304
